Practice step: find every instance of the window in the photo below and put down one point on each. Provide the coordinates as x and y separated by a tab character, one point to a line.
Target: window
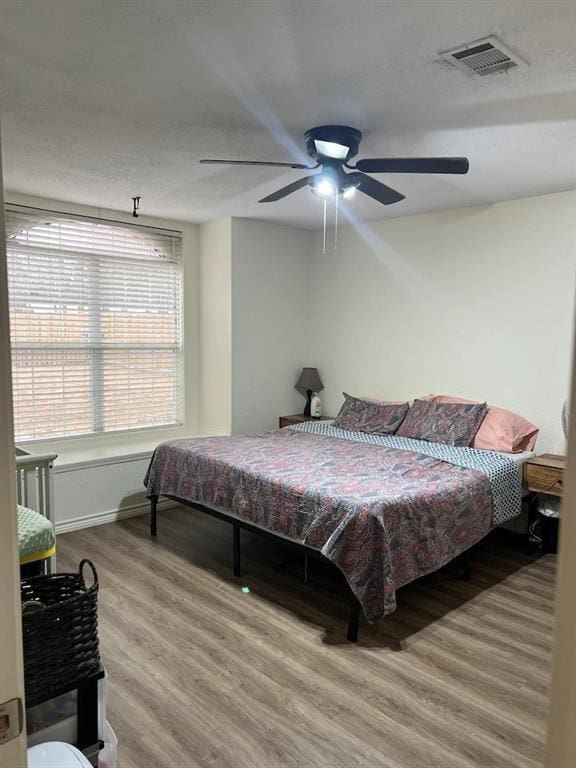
96	324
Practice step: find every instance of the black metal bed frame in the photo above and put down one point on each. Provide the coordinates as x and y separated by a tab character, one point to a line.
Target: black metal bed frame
238	524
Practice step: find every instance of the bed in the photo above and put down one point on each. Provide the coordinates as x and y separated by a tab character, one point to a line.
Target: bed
384	509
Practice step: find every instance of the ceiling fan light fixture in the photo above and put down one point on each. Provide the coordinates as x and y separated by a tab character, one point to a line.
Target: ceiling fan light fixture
331	149
349	192
324	188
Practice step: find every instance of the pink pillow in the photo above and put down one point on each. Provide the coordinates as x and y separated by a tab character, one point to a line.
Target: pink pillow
383	402
501	430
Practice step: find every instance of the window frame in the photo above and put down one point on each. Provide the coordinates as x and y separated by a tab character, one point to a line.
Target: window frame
96	350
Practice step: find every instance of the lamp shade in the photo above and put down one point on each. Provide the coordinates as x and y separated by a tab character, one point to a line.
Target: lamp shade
309	379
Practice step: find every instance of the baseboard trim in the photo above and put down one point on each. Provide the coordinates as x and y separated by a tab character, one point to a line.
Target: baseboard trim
108	516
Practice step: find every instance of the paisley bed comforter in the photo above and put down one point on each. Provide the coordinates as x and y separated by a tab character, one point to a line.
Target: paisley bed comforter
384	515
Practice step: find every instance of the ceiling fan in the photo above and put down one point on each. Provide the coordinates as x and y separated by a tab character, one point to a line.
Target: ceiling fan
332	147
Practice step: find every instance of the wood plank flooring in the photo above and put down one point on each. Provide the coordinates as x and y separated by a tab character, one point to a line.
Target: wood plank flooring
204	675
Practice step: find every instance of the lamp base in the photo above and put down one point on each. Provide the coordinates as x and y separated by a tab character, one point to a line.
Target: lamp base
307	407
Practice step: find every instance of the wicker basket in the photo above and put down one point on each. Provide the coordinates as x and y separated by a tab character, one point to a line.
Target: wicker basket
60	632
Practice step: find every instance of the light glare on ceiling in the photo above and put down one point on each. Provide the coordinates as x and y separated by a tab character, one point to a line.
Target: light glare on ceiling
349	192
331	149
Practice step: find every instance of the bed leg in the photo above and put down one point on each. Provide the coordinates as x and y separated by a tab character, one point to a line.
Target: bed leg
352	634
466	570
153	503
236	549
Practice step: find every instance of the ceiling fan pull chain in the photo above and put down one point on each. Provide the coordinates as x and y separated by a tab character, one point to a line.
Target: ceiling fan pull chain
337	196
324	244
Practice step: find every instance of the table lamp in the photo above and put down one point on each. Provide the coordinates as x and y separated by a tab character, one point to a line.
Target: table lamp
308	383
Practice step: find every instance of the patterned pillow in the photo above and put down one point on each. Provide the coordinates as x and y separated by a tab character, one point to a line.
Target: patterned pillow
501	430
369	416
449	423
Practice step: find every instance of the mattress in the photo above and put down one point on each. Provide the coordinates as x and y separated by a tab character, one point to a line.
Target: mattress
519	458
36	539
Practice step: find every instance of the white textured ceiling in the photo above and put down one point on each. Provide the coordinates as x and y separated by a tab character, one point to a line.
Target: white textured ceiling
105	99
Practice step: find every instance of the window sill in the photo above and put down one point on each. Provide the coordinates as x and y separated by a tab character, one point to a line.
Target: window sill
101	449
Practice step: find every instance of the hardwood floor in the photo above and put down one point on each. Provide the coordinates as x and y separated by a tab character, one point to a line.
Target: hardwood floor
204	675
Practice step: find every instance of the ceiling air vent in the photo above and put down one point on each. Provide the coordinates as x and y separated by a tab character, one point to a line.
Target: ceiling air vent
483	57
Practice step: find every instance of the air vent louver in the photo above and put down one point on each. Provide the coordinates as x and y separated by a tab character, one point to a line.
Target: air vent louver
483	57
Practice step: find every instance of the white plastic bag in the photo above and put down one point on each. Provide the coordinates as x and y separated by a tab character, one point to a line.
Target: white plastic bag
108	756
550	507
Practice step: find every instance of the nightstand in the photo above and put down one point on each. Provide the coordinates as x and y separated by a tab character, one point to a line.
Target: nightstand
545	474
298	418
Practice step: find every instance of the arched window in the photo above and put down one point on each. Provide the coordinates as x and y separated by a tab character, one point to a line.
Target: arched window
96	325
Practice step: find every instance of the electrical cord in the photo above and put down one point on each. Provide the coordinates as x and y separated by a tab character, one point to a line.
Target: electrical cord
558	481
536	525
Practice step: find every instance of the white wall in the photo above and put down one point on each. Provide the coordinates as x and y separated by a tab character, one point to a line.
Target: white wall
269	322
100	490
253	294
476	302
215	336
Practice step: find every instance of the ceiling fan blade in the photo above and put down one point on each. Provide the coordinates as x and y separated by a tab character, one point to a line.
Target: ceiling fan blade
377	190
259	162
287	190
414	165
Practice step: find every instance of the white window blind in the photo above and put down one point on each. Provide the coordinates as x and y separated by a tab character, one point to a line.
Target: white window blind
96	324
